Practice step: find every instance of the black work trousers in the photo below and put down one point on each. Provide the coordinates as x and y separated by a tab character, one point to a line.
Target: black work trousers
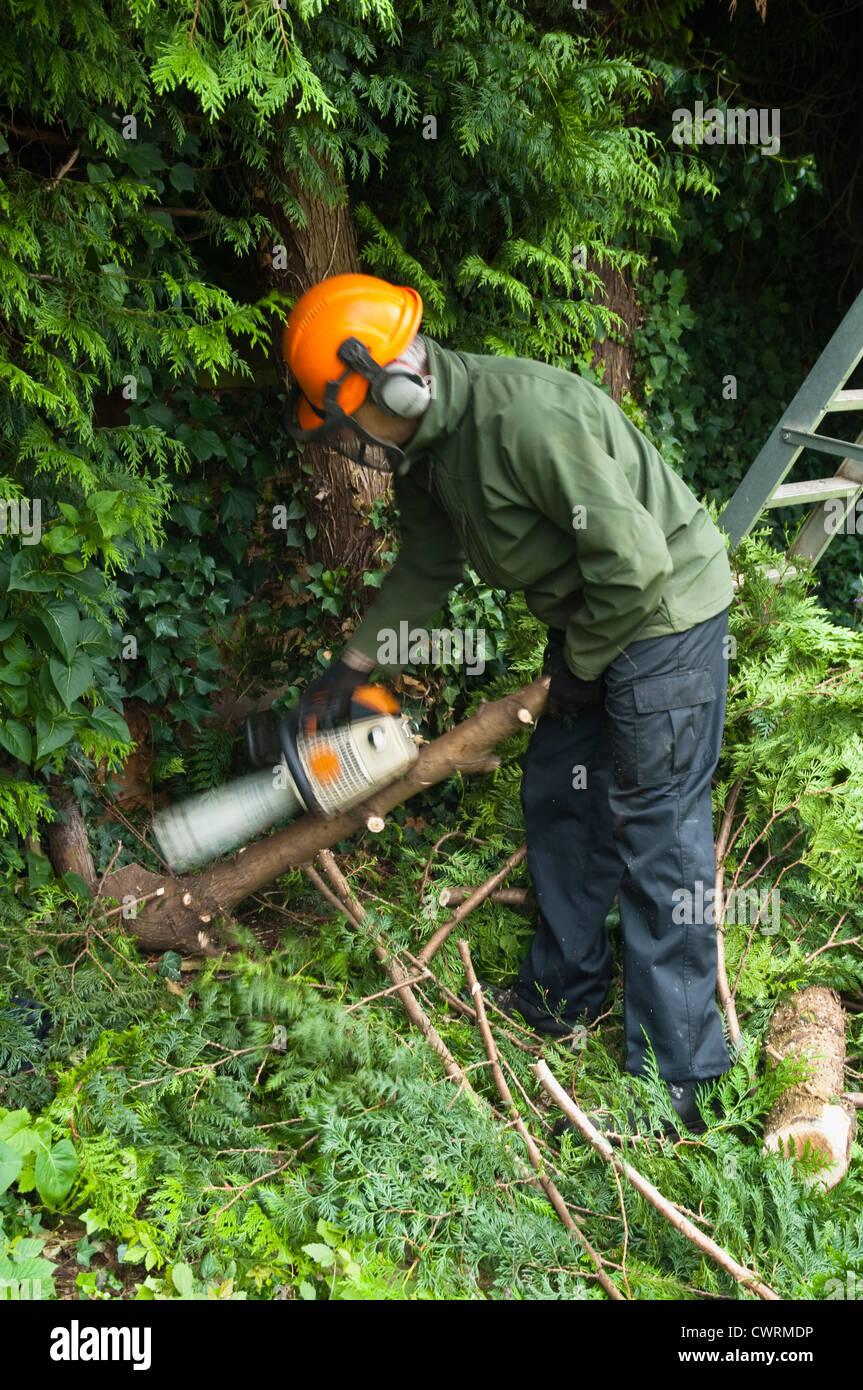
617	801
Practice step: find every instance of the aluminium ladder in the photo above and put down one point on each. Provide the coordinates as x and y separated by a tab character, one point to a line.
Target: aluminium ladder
822	393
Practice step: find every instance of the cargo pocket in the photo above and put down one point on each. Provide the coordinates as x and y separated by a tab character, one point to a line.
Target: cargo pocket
671	724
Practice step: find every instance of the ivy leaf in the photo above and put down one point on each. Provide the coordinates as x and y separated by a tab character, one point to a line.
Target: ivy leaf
11	1164
61	540
321	1254
12	1122
183	1280
110	723
72	680
62	622
77	886
106	510
24	574
93	637
55	1171
182	176
16	739
51	734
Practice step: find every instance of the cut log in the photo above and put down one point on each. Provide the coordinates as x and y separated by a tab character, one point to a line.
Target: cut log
185	917
814	1112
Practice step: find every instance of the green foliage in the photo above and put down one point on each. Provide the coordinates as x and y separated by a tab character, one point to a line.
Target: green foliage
25	1271
31	1159
519	157
235	1132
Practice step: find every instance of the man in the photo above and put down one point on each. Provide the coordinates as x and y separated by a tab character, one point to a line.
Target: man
538	479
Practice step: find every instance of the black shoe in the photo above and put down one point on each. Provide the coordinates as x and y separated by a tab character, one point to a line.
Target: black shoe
683	1101
509	1003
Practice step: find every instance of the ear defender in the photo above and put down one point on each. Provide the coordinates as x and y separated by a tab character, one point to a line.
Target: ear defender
394	388
400	391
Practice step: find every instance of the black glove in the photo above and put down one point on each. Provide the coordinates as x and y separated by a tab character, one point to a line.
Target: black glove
327	700
568	694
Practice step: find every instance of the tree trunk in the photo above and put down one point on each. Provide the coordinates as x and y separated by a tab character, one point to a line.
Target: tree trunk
339	493
181	912
68	847
811	1026
617	352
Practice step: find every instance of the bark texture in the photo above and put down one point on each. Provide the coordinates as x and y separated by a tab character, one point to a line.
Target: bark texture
617	352
339	493
811	1026
68	847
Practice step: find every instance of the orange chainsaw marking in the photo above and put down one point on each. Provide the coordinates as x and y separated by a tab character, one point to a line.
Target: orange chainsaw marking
324	764
377	698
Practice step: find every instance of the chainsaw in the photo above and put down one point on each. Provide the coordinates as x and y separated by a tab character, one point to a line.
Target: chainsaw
322	771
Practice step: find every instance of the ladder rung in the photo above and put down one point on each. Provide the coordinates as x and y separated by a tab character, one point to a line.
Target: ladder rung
812	490
847	400
805	439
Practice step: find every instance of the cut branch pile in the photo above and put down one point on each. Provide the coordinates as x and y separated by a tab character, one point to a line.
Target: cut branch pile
192	914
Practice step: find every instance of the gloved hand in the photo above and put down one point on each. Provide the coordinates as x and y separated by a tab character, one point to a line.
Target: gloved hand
327	700
568	694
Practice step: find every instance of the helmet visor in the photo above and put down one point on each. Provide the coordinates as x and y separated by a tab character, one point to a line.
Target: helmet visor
342	434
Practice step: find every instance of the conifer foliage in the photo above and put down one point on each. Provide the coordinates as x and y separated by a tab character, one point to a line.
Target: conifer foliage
256	1125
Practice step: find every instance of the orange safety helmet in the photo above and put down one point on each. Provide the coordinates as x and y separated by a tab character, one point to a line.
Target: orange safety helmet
341	343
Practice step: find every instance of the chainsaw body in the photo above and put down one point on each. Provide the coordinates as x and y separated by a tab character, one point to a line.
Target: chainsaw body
323	771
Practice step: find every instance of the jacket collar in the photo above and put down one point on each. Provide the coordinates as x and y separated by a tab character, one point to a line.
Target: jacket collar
451	387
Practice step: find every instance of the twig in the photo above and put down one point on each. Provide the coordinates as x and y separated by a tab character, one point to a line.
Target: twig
477	896
346	902
434	849
831	941
114	857
548	1186
238	1192
112	912
747	1277
393	989
65	167
512	897
726	998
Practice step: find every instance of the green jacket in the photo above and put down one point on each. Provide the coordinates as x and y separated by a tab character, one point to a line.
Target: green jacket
538	480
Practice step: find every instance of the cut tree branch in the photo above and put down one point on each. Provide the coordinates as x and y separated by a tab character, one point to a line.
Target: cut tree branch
183	917
598	1141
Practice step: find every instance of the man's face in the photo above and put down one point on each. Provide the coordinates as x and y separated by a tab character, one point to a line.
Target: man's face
390	428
